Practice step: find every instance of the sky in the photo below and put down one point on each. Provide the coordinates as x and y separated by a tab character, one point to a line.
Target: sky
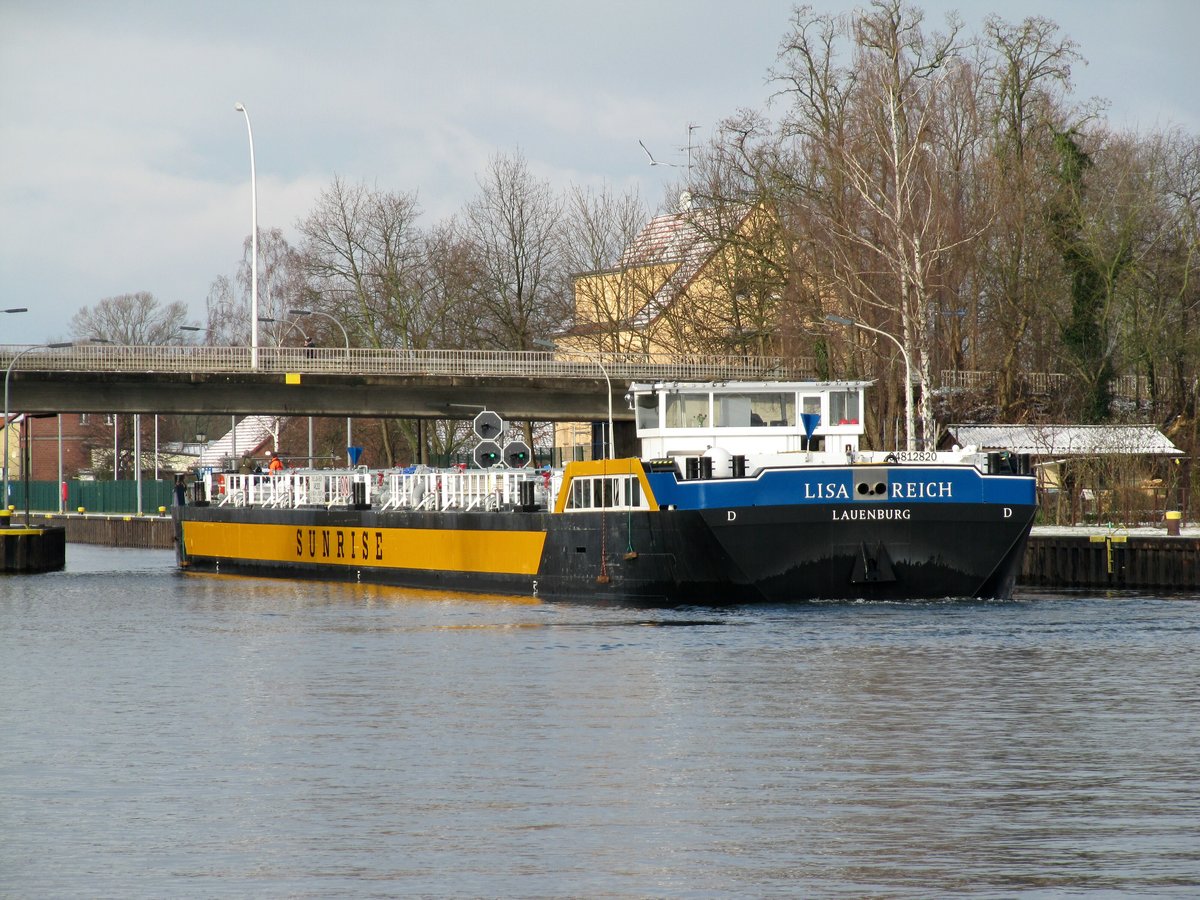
124	166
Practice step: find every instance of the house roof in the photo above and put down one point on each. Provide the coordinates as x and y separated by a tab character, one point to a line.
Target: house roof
1066	440
688	238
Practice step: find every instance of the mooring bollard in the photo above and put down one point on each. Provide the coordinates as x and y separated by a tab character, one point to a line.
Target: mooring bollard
1173	519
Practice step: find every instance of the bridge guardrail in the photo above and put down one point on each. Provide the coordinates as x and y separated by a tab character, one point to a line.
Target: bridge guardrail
366	361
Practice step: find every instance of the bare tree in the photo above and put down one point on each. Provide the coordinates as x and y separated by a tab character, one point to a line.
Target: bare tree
1024	84
227	315
513	227
873	128
360	254
362	261
130	319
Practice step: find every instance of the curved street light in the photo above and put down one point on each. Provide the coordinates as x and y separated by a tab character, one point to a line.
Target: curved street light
908	392
288	322
253	245
612	435
333	319
346	338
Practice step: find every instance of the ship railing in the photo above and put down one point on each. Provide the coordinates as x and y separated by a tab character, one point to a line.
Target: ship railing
475	489
409	490
455	490
434	490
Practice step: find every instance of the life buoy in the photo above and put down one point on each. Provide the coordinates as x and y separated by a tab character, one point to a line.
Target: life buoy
220	484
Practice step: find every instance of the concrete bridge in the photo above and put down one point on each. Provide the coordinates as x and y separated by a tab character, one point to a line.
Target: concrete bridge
444	384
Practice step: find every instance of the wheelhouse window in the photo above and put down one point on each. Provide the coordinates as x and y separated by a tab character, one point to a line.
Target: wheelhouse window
843	407
647	411
687	410
753	410
605	492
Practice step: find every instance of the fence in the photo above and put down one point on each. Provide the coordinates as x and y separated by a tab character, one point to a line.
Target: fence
371	361
94	496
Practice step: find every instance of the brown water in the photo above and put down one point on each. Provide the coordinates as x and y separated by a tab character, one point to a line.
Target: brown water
193	736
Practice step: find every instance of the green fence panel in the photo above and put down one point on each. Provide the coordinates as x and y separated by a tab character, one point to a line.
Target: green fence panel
94	496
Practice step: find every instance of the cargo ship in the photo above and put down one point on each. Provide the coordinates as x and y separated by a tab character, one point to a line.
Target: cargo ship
754	492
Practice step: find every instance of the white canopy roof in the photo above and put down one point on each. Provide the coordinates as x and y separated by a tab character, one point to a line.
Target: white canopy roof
1066	440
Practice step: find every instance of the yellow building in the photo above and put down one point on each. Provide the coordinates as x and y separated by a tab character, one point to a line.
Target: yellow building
698	281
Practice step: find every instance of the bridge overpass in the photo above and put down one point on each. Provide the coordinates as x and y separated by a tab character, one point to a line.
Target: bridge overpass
358	382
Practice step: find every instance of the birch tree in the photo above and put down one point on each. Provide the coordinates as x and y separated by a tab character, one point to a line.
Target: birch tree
872	124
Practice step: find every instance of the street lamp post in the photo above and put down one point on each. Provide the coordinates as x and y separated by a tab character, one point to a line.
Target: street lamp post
908	391
346	338
253	245
268	320
612	435
7	374
303	334
333	319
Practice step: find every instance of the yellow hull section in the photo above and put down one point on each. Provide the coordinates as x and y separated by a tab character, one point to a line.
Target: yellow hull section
447	550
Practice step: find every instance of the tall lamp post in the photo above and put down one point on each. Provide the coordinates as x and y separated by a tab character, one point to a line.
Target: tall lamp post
7	374
908	392
346	338
253	245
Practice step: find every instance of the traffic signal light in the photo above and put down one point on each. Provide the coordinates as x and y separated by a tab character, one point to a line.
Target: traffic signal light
486	454
487	425
516	454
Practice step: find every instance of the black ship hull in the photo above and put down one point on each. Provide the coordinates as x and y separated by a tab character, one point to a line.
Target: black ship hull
763	554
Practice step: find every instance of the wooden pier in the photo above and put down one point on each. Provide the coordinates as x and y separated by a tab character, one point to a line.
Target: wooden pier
136	532
1113	559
